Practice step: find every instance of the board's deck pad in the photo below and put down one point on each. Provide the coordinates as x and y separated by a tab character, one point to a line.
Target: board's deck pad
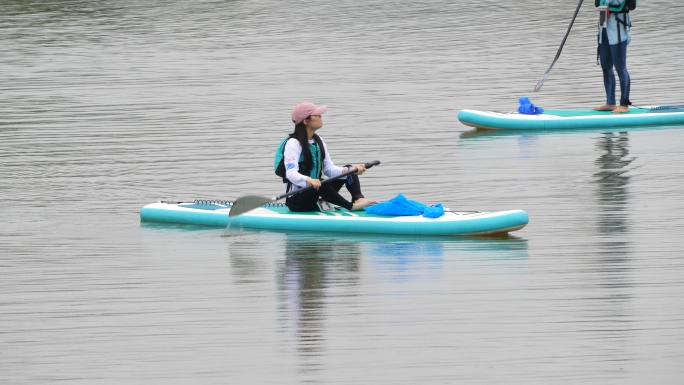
571	113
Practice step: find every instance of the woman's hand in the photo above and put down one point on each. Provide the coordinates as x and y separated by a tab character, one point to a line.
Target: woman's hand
360	169
316	183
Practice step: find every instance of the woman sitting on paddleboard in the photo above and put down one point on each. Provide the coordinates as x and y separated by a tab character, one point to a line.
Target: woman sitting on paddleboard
613	39
302	155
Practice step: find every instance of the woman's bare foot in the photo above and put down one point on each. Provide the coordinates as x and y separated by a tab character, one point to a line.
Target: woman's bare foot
361	203
621	110
606	107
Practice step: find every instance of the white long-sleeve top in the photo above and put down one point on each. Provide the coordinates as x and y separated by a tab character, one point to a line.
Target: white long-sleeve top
293	150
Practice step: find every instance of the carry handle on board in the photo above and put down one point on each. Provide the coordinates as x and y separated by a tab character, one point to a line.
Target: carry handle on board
251	202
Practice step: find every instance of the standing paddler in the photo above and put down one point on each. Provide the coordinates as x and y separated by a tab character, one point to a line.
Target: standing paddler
613	39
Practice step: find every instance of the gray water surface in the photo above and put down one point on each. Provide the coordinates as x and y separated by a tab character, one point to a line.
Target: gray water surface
107	106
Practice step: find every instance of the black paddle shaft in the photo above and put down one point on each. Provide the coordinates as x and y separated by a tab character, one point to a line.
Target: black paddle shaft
307	188
543	78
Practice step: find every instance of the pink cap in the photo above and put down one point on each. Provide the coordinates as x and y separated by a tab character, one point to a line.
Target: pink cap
304	110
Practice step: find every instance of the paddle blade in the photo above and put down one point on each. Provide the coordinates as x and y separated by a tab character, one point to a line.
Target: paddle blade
541	81
247	203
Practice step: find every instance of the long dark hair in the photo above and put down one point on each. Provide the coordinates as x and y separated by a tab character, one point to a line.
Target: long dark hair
301	135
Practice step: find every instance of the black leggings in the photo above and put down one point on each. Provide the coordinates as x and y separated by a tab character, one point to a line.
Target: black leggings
306	201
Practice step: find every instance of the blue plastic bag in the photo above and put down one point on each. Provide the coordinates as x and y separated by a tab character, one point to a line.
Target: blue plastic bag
435	211
526	107
400	206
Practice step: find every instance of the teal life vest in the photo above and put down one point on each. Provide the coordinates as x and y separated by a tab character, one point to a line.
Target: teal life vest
315	172
625	7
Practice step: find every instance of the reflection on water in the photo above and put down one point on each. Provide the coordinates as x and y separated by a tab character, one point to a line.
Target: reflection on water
310	268
613	253
314	272
612	192
404	260
529	135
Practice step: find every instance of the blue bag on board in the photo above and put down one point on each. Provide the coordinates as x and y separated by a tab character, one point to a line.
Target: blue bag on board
400	206
526	107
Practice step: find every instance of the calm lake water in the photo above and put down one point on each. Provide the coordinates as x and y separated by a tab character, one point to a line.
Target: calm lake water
107	106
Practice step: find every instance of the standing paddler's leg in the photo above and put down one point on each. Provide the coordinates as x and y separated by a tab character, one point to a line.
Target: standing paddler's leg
606	58
619	54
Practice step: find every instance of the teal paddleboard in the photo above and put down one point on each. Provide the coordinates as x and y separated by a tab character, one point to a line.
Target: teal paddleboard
574	119
279	217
